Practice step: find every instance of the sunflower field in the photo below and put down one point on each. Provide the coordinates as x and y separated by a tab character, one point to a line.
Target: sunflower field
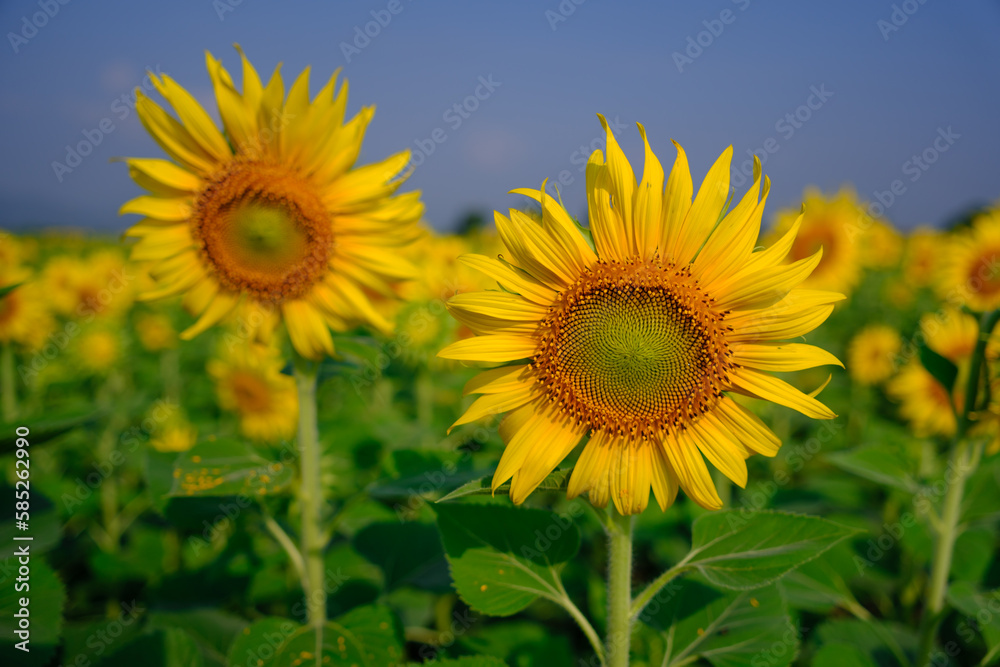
283	423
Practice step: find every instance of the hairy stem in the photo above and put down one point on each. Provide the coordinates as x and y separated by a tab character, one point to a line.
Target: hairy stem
310	493
619	591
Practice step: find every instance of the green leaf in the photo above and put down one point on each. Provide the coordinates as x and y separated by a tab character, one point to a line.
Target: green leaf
882	642
973	555
366	637
964	597
503	558
465	661
822	584
521	643
228	468
43	430
46	597
557	480
420	562
213	631
726	628
169	647
878	463
943	370
259	641
842	655
44	524
422	475
745	553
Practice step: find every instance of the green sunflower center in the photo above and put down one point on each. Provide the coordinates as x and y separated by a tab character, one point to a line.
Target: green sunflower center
633	348
263	230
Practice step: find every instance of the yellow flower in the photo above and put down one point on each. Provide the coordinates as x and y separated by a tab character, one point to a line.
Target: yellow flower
921	256
155	332
638	340
872	354
249	382
98	349
834	224
880	245
177	435
924	402
272	212
98	286
24	318
970	271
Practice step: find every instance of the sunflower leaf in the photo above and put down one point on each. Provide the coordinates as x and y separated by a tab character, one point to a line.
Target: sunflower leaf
725	628
47	599
743	553
42	431
502	559
365	636
228	468
941	368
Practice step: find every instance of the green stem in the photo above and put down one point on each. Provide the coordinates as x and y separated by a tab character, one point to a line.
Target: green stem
170	372
961	465
311	499
654	588
109	398
581	620
8	386
619	591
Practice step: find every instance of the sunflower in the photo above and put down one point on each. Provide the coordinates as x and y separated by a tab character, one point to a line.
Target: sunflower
177	435
98	349
921	256
99	286
970	268
270	210
249	382
924	402
156	332
831	224
24	318
881	246
872	354
637	333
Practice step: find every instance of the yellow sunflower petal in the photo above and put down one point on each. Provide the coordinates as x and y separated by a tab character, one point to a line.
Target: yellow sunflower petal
692	474
782	358
772	389
493	348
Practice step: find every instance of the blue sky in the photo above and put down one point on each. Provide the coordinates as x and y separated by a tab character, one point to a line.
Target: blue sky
870	86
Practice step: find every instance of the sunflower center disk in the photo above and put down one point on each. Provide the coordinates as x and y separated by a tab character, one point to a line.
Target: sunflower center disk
264	231
635	349
251	394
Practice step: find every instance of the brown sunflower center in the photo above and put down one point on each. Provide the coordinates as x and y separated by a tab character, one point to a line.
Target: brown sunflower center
251	393
819	236
9	307
983	277
264	230
634	349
